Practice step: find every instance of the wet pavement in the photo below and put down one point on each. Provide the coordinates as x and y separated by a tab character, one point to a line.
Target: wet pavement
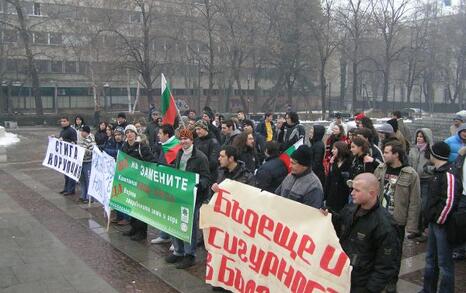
51	243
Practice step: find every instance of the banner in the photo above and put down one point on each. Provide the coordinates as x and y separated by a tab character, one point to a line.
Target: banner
102	173
158	195
261	242
64	157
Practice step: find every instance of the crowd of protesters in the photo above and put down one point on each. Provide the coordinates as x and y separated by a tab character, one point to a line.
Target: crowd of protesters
377	181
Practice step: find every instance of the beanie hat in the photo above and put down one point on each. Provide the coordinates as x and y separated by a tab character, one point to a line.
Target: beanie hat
119	129
440	150
132	128
202	124
385	128
359	116
394	123
86	128
153	110
186	133
303	155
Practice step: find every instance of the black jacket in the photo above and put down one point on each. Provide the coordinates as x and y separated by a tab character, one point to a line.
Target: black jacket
445	190
198	163
138	151
240	174
292	133
211	148
372	244
100	138
68	134
358	166
250	159
318	152
271	174
336	190
215	132
259	142
151	132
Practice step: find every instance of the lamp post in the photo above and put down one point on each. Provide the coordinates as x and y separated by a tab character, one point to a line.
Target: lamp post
249	98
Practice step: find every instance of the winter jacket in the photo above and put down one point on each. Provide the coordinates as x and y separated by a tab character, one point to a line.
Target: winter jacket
417	158
318	152
138	151
211	148
249	157
198	163
240	174
404	131
262	130
304	188
111	147
229	139
152	135
372	244
407	196
444	194
271	174
376	153
100	138
88	144
292	133
215	131
69	134
259	142
358	166
456	143
336	189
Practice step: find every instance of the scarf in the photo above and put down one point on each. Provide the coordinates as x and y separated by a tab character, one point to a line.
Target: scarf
421	146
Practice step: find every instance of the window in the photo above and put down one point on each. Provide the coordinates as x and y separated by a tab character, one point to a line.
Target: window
36	9
41	38
10	36
43	65
70	67
57	66
56	39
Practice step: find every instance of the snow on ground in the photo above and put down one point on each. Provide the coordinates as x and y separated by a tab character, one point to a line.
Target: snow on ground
7	138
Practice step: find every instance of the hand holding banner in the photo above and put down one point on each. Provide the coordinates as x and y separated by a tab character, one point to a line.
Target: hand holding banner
64	157
101	179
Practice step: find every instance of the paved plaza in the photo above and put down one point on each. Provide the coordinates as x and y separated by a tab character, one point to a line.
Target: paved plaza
51	243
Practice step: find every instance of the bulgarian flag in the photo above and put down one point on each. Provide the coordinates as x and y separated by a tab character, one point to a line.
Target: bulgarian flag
286	155
168	105
170	149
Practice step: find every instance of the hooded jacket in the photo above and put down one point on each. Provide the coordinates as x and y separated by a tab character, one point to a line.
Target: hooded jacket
417	158
271	174
211	148
407	196
229	139
318	152
456	143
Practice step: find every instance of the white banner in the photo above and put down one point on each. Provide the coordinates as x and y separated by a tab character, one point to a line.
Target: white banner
64	157
101	180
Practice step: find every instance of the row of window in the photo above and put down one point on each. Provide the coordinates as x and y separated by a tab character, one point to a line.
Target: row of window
30	8
39	38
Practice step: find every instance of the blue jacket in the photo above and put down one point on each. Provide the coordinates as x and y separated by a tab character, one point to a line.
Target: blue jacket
455	143
111	147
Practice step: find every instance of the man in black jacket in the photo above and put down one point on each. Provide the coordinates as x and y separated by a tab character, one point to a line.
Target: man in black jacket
152	131
368	236
70	135
231	168
259	140
190	159
209	145
271	174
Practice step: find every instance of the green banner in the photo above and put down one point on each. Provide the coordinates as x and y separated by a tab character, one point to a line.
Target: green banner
158	195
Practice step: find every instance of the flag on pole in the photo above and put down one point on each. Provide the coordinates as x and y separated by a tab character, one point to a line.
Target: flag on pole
286	155
168	105
170	149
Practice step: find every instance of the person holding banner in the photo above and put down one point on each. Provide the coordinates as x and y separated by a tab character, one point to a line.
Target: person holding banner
88	143
190	159
70	135
141	152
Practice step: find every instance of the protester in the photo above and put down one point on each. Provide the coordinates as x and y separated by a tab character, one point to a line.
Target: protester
141	152
245	144
336	190
78	123
317	151
459	253
68	134
457	121
439	273
292	131
366	122
338	121
368	236
87	142
192	114
229	131
456	142
270	174
241	117
374	150
362	162
231	168
101	134
164	138
280	131
152	132
402	128
121	120
386	134
266	128
190	159
209	145
399	193
209	117
140	127
399	136
259	140
419	159
302	184
338	134
109	144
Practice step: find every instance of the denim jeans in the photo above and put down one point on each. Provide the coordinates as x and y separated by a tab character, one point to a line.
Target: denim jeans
439	262
424	194
70	185
84	179
186	248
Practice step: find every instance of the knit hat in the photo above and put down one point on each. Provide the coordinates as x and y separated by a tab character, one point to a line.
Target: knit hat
202	124
86	128
440	150
119	129
154	111
121	115
186	133
385	128
359	116
132	128
458	117
394	123
303	155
